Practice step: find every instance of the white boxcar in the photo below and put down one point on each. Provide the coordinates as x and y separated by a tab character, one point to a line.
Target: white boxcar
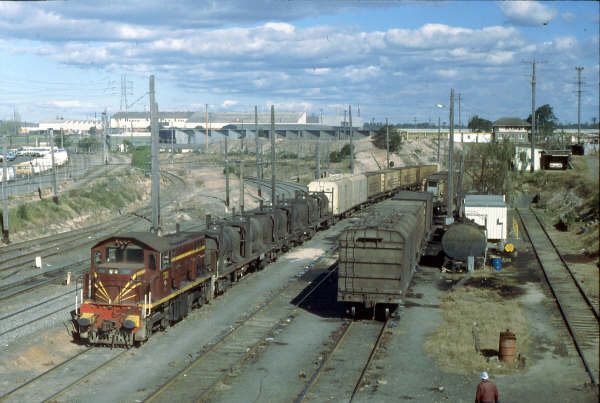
10	173
343	191
489	211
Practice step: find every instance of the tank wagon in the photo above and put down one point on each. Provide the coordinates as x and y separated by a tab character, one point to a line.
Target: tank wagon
140	282
378	255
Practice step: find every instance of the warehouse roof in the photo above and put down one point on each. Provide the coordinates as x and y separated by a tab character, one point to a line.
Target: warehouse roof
512	122
248	117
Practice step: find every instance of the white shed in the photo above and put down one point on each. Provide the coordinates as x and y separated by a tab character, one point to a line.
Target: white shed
489	211
526	150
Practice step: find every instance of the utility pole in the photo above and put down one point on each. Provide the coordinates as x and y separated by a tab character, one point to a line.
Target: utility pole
579	69
387	143
258	160
273	199
298	158
104	138
155	160
328	153
5	232
439	140
318	158
172	144
54	185
450	195
460	120
226	173
242	187
206	124
15	126
351	145
532	166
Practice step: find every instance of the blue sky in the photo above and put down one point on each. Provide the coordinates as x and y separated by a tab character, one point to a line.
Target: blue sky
395	59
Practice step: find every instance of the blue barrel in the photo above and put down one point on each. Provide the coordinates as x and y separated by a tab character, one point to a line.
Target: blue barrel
497	263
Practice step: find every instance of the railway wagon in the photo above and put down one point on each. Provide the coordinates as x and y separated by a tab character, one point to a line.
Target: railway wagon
375	183
378	256
344	192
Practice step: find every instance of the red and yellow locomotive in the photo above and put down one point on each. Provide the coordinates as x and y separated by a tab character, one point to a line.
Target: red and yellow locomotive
139	281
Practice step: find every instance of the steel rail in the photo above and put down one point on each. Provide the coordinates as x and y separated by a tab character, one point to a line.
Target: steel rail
232	331
27	308
55	273
313	380
369	360
561	309
566	265
35	378
83	377
36	319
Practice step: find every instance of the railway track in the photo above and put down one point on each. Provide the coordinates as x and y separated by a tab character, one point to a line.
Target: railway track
577	310
287	189
354	349
58	379
29	283
197	380
15	320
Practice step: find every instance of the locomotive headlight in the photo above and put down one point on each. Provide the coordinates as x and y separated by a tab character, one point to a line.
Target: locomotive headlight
113	271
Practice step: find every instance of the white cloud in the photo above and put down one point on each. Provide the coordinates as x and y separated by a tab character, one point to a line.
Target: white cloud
565	43
446	73
569	18
228	102
527	13
75	103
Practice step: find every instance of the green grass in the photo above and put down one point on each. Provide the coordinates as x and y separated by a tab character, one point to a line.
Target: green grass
111	193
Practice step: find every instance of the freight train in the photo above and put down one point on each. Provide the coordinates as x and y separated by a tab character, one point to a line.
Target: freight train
140	282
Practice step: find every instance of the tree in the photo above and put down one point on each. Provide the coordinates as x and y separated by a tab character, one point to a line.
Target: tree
379	139
478	124
490	166
92	131
546	121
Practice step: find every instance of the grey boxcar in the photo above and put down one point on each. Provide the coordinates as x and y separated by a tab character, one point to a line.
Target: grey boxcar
379	254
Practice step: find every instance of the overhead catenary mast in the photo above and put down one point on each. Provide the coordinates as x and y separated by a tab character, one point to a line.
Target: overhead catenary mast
351	145
155	177
258	159
273	134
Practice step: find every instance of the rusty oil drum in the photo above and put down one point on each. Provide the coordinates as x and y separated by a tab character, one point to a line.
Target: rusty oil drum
507	348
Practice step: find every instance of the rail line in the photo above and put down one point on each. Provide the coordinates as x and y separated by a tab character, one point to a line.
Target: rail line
40	279
355	356
15	314
205	383
577	312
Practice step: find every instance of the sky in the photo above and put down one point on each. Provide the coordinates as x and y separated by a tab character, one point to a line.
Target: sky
393	59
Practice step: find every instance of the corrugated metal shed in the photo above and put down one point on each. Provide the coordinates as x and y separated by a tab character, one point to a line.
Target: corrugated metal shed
489	211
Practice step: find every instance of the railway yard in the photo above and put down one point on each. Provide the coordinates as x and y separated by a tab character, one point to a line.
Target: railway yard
281	334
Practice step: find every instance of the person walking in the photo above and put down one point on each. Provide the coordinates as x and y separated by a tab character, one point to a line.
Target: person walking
486	390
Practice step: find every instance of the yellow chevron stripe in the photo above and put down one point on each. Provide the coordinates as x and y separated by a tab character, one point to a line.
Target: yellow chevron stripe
123	294
126	289
103	290
187	254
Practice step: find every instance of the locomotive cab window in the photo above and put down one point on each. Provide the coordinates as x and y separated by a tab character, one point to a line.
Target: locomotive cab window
129	254
97	257
152	261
